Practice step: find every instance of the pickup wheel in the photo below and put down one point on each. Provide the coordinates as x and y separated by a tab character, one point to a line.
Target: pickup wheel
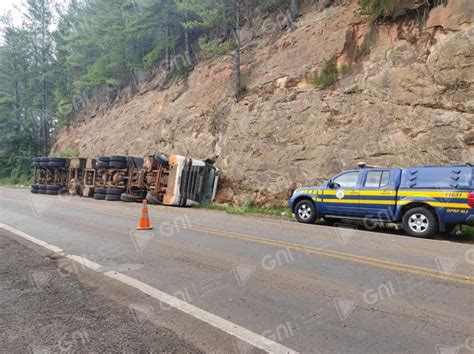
305	211
420	222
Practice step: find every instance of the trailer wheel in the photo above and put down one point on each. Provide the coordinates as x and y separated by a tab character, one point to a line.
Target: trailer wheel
43	161
112	197
102	164
57	159
53	187
162	159
152	200
114	191
56	164
129	198
99	196
116	164
136	161
118	158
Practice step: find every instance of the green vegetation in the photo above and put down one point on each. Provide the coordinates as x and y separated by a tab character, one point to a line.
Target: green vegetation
328	75
249	209
63	52
69	153
369	40
466	232
393	8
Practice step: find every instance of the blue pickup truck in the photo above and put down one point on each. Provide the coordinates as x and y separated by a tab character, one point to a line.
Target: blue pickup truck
424	200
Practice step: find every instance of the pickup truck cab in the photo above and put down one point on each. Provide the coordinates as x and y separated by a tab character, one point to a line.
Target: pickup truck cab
424	200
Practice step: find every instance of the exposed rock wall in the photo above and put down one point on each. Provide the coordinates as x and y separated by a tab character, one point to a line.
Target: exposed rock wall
405	97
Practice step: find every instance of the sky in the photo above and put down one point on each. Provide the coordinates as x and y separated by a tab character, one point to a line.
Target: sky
6	5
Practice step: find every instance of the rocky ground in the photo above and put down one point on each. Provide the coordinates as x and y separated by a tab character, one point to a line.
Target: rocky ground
45	309
404	97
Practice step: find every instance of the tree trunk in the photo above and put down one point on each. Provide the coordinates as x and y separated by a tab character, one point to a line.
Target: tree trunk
238	79
167	50
294	9
186	42
44	122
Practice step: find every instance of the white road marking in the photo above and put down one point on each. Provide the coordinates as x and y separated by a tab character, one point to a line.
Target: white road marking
231	328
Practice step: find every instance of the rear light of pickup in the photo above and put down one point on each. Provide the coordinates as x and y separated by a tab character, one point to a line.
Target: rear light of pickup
470	199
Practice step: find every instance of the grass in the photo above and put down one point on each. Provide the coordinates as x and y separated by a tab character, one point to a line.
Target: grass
464	231
328	76
249	209
22	180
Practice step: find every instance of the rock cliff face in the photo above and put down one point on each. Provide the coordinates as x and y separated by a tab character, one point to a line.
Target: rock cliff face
404	96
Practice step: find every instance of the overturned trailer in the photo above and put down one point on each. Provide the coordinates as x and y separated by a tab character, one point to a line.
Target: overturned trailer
174	180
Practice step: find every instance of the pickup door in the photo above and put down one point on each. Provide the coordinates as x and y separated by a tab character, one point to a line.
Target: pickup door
378	193
343	198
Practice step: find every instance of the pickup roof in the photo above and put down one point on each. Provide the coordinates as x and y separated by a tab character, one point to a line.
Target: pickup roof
424	200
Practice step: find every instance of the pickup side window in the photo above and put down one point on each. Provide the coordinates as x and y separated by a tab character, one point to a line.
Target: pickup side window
377	179
347	180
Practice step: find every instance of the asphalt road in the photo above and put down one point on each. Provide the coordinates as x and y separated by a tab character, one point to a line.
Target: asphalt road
309	288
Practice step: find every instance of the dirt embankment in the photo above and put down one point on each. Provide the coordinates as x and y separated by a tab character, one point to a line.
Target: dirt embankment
404	96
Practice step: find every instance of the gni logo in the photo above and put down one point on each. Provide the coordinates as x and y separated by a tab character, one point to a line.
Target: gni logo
140	314
344	232
344	307
39	205
39	279
284	256
446	265
243	272
371	296
141	239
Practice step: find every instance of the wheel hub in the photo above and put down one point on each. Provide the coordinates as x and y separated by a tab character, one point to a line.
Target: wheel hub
304	212
418	223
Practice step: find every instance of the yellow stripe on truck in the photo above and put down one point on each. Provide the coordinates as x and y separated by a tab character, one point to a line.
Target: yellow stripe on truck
438	194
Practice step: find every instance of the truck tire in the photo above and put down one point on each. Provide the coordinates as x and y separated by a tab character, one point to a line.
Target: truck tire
420	222
57	159
118	158
114	191
152	200
104	158
34	190
51	192
100	190
41	191
129	198
118	165
99	196
136	161
102	164
35	186
112	197
44	161
53	187
162	159
305	211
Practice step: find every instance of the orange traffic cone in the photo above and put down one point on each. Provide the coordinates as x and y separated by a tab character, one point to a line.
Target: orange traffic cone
144	223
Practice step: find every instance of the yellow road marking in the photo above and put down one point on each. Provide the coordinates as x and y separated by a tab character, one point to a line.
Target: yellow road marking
369	261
